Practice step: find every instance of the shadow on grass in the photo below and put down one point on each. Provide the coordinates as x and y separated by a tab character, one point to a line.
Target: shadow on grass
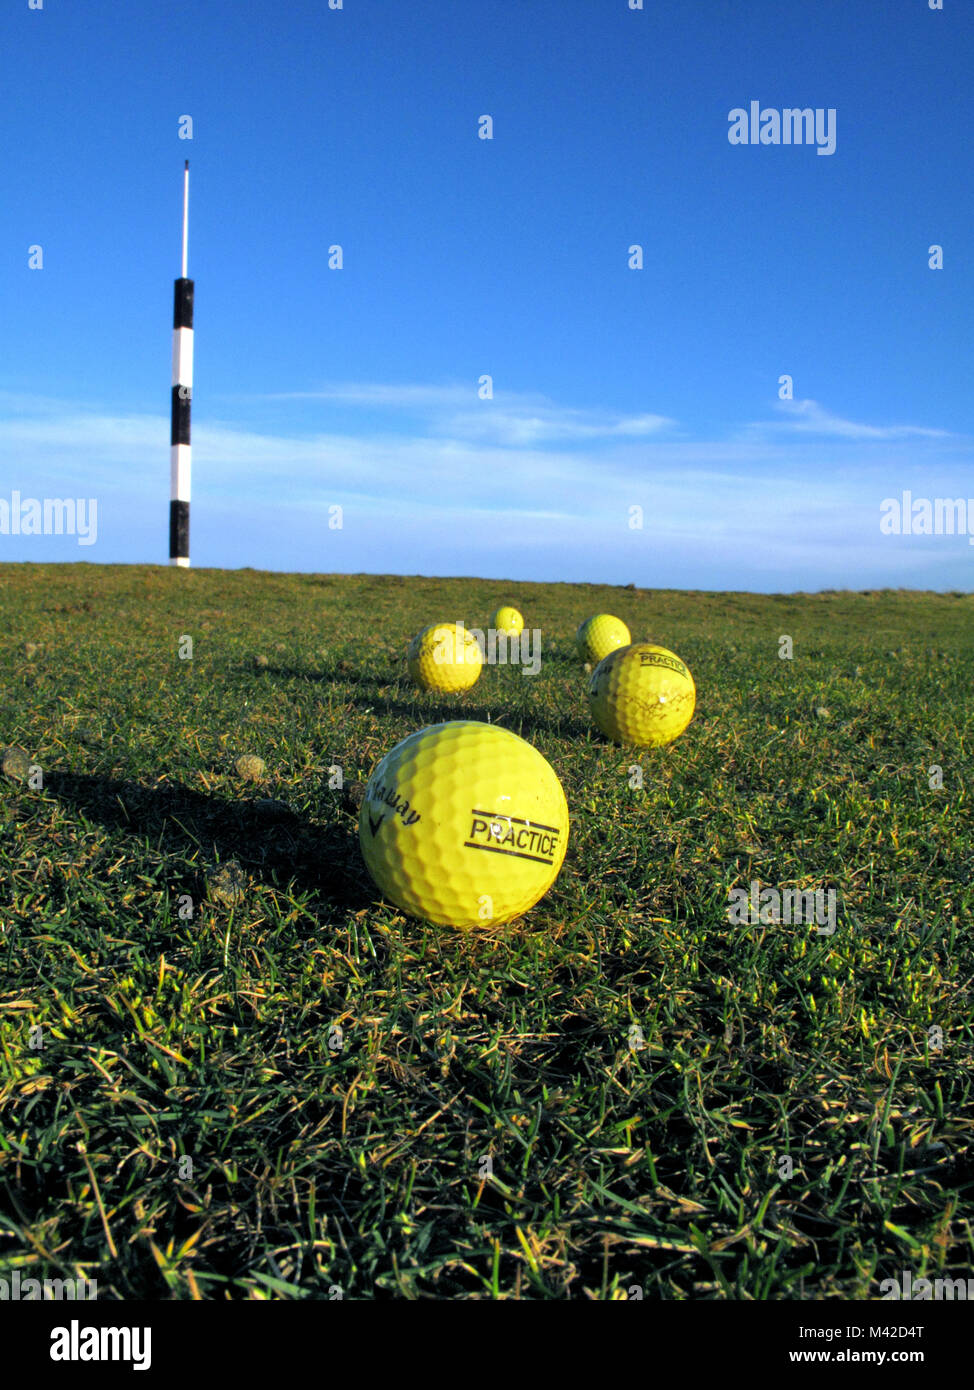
269	840
460	706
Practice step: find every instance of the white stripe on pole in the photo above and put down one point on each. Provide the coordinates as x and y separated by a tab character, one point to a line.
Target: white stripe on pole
182	357
179	474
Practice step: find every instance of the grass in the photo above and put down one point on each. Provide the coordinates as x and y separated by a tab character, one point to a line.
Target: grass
284	1088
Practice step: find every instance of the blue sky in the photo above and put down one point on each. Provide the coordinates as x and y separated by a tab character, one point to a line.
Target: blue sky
613	388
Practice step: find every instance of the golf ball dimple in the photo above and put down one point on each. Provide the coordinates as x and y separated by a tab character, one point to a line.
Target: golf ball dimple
600	635
642	694
507	620
464	824
445	657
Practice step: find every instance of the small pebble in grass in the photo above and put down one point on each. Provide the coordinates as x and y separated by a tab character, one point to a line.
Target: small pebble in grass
30	650
823	713
587	668
249	767
226	883
260	662
16	763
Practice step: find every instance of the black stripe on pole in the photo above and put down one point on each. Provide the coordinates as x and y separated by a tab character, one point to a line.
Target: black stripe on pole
179	529
183	304
181	404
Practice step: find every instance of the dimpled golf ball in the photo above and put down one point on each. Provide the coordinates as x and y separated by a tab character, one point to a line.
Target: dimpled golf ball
463	824
444	657
507	620
598	636
642	694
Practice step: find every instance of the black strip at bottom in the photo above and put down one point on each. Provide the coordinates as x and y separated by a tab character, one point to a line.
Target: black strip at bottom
179	530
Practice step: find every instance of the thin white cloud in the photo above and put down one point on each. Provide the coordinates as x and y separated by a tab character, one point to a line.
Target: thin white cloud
405	396
555	426
509	418
808	417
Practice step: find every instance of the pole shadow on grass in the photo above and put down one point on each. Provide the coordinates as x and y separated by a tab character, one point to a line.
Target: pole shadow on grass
271	841
518	719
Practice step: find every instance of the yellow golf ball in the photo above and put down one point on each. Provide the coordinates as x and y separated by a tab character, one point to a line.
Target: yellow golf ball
598	636
464	824
642	694
445	657
507	620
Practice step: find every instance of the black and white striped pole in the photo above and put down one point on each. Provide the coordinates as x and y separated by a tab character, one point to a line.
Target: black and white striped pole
180	458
